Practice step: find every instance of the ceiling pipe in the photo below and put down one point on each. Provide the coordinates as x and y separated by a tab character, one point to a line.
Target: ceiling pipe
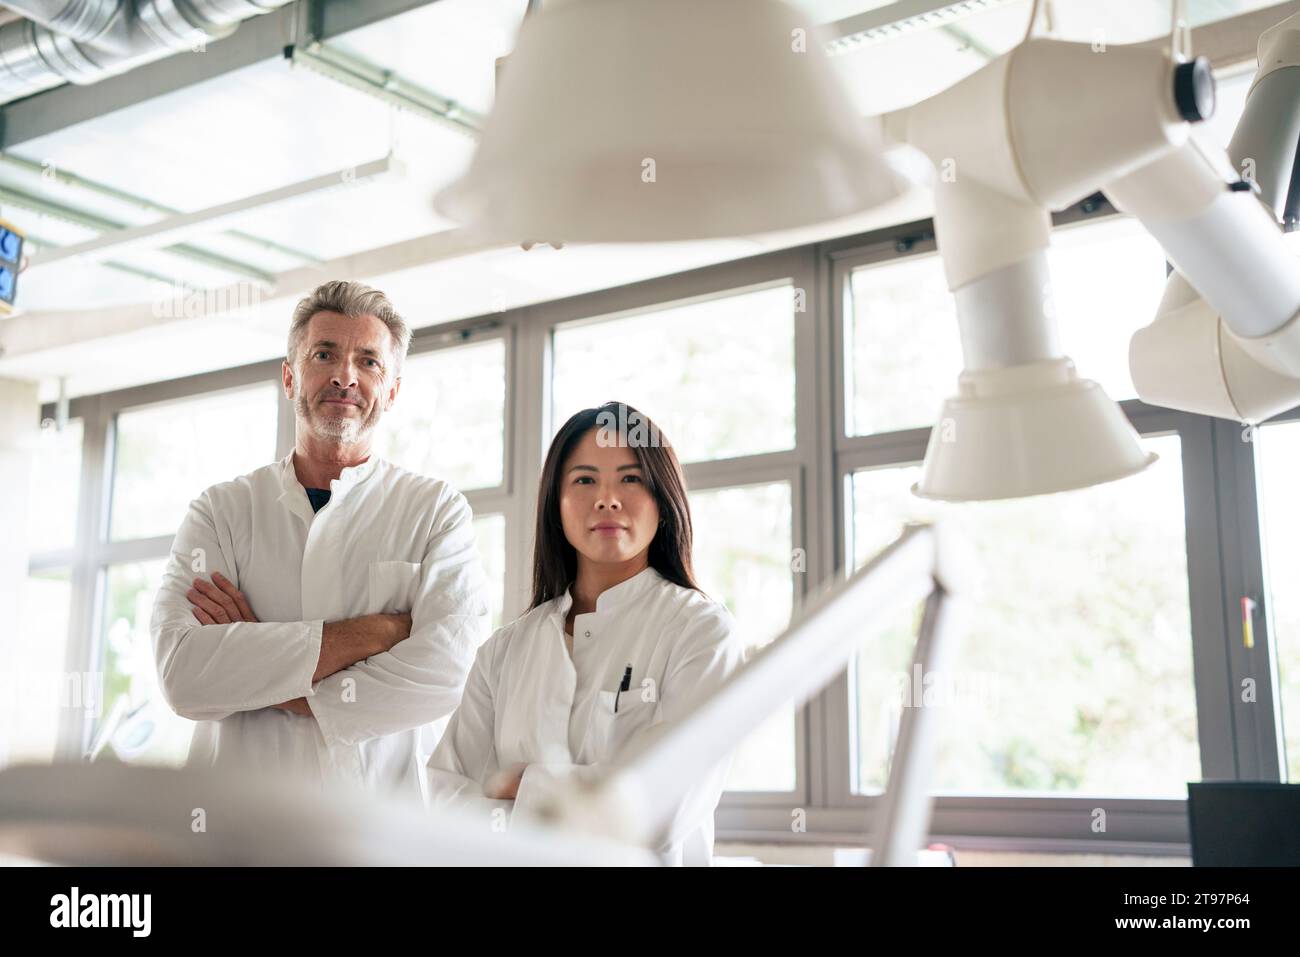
84	41
81	20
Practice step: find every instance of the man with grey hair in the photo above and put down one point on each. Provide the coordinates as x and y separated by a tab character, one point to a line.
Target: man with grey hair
319	616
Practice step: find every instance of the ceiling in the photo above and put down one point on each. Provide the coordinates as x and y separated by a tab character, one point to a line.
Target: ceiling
269	125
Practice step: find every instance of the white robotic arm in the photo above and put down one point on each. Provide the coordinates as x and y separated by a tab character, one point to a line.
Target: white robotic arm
1226	339
1006	153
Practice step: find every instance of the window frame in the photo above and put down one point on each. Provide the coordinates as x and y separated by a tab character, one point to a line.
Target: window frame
427	343
801	466
1223	558
1237	740
1139	823
1261	753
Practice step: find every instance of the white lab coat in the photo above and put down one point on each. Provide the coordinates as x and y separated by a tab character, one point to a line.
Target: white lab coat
528	702
388	540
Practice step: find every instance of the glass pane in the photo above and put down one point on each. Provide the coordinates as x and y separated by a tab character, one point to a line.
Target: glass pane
1277	460
449	417
490	530
33	684
902	345
1107	280
743	558
137	726
716	376
56	482
167	454
905	351
1076	673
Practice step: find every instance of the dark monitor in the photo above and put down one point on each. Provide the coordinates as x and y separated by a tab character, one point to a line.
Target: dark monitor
1244	824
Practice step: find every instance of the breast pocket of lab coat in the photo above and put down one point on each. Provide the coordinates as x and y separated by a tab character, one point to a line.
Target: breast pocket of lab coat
393	587
611	730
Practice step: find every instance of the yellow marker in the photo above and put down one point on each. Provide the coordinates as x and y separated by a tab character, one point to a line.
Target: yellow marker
1248	621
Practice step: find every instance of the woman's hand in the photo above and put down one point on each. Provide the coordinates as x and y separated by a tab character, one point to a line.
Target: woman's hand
504	785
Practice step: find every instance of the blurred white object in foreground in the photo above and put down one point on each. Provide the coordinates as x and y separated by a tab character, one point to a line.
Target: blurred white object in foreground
116	814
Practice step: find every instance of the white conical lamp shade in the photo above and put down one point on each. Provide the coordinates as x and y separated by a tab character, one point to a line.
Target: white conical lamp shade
661	120
1027	430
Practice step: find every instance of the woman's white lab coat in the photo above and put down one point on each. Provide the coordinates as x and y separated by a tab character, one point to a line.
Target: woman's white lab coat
528	702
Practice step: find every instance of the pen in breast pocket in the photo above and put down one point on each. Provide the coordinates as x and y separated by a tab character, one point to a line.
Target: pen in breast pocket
626	683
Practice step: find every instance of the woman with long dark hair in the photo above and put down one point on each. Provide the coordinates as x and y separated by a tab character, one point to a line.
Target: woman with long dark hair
618	635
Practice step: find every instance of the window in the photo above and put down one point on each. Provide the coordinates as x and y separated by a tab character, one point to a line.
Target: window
39	686
136	725
1074	678
1277	458
449	417
1075	675
716	376
1107	280
56	480
490	530
743	558
902	344
165	455
36	685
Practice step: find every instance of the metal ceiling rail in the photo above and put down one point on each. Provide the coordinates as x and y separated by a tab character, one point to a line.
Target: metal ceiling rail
78	182
43	243
102	224
175	229
361	75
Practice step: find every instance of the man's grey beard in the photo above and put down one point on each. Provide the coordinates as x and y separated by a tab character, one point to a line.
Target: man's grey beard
335	428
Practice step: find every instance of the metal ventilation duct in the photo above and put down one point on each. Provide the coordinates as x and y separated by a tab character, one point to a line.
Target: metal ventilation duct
84	41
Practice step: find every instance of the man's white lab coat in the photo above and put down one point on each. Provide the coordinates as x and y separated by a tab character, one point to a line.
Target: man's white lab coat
528	702
388	540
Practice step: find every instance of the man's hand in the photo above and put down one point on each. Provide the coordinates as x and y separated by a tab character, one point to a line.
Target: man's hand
504	785
218	602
